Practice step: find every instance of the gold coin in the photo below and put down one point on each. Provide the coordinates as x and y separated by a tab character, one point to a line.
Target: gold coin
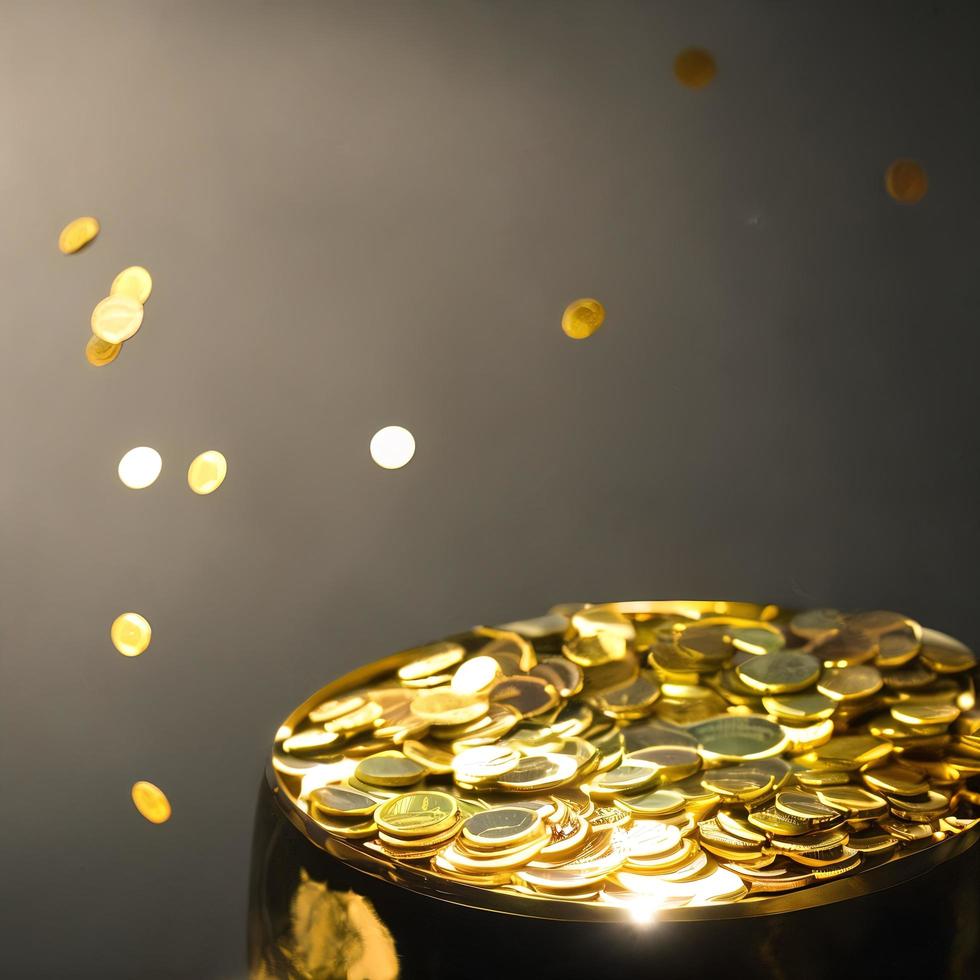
207	472
806	806
945	655
896	779
810	706
925	713
311	742
434	759
846	648
732	738
757	640
342	801
779	673
334	708
134	282
417	814
99	352
816	624
530	696
906	181
116	318
582	318
694	68
130	634
443	706
436	657
389	769
625	778
673	762
658	803
502	826
77	234
845	683
475	675
539	772
151	801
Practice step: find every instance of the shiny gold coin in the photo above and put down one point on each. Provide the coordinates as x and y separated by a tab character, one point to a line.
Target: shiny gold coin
116	318
738	785
625	778
436	658
99	352
502	826
134	282
854	801
896	779
945	655
582	318
694	68
443	706
539	772
359	719
845	683
335	708
673	762
150	800
436	760
417	814
816	624
530	696
779	673
796	708
475	675
77	234
846	648
731	738
342	801
757	640
314	741
925	713
389	769
806	806
130	634
906	181
207	472
595	651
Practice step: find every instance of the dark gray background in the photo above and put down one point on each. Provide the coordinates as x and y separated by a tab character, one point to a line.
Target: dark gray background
372	213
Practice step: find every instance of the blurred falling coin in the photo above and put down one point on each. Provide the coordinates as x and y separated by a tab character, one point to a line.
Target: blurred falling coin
151	802
117	318
130	634
906	181
134	282
77	234
694	68
582	318
207	472
99	352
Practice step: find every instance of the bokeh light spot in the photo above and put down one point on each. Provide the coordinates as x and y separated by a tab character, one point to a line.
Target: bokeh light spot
140	467
906	181
694	68
392	447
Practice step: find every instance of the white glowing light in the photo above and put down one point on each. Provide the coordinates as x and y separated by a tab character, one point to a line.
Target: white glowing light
140	467
392	447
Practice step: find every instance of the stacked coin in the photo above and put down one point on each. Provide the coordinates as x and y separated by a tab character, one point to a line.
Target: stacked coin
117	317
650	753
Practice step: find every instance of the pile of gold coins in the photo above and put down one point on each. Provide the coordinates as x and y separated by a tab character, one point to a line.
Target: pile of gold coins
118	316
662	753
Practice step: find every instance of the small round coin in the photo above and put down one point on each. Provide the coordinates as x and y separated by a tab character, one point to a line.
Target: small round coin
207	472
781	672
130	634
501	826
116	318
342	801
389	769
436	658
419	814
443	706
99	352
151	802
845	683
77	234
133	281
582	318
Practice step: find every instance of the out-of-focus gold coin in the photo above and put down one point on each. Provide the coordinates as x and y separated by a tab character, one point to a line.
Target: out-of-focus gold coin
582	318
906	181
130	634
99	352
117	318
134	282
694	68
207	472
77	234
151	801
